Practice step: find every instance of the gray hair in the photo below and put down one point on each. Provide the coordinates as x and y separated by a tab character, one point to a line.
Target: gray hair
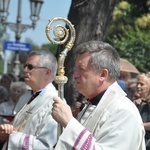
19	84
48	60
103	56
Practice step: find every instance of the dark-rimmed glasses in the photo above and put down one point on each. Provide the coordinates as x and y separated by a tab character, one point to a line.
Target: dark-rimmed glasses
30	67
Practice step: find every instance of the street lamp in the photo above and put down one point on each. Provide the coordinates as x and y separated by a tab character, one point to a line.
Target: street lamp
18	28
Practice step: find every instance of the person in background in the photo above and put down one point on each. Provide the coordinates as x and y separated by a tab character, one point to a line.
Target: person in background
122	84
4	95
79	105
32	127
17	89
124	76
22	100
131	88
4	99
7	79
143	103
110	121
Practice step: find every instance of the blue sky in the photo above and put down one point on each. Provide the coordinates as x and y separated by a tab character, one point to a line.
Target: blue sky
50	9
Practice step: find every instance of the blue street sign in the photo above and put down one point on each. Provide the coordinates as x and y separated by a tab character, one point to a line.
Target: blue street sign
16	46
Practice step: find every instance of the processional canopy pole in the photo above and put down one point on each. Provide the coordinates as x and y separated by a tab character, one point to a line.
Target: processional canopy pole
61	34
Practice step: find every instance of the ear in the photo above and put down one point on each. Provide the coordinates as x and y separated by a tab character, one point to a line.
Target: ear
48	73
103	73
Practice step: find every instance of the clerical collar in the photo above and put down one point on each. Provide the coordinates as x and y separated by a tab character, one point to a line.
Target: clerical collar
95	100
33	93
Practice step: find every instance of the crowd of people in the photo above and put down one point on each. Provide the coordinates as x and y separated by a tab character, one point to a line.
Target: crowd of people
11	89
114	113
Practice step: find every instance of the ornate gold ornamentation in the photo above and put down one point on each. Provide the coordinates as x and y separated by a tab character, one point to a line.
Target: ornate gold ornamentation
63	35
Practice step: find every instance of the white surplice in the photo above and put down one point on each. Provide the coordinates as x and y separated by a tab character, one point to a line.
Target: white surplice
36	129
114	124
21	102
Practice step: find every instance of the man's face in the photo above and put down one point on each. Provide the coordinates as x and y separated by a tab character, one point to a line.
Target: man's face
35	77
87	79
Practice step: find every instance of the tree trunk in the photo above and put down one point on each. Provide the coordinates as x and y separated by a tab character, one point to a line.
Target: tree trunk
90	19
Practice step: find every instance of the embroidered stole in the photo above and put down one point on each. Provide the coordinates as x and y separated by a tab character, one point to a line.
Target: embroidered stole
96	114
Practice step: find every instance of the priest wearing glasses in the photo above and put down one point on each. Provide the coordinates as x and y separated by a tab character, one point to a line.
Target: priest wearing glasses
32	127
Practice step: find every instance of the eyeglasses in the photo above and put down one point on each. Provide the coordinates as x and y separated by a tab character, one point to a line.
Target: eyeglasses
30	67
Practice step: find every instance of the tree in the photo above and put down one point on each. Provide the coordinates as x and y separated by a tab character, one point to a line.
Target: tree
50	47
129	32
91	19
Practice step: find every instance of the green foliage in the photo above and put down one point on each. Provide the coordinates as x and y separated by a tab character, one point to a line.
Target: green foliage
47	46
50	47
33	45
144	21
133	44
129	33
122	11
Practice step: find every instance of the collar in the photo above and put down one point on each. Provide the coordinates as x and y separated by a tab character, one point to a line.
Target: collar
95	100
48	87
